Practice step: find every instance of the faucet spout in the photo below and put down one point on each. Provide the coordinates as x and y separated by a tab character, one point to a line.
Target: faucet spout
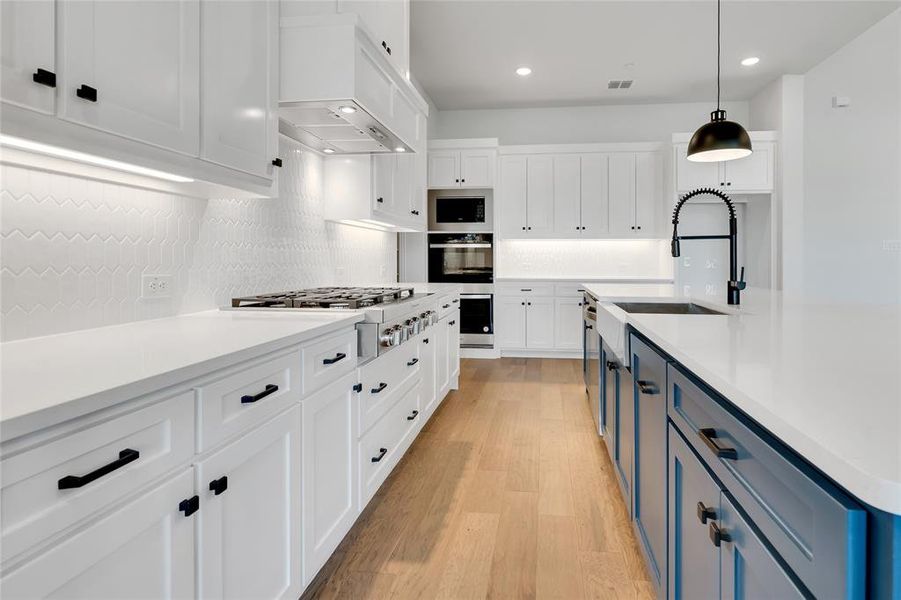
736	282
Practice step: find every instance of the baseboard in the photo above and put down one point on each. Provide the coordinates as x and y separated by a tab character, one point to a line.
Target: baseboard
541	353
480	353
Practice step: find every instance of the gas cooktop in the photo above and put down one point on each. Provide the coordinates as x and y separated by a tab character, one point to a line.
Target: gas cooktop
326	297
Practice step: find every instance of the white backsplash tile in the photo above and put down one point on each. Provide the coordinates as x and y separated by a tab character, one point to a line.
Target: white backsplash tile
574	259
73	250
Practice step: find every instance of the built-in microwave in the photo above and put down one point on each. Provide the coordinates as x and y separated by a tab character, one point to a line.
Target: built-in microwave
461	210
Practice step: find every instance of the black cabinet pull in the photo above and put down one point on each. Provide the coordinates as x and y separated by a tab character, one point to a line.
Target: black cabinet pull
86	92
382	453
277	162
76	481
718	535
377	390
358	387
217	486
44	77
525	289
455	300
270	389
612	366
456	181
523	228
450	323
379	200
445	306
336	358
528	304
425	340
708	434
189	506
412	362
589	327
648	387
388	49
704	513
384	45
413	415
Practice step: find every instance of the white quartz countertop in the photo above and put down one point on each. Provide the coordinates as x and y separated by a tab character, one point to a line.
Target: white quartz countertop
50	379
823	378
554	278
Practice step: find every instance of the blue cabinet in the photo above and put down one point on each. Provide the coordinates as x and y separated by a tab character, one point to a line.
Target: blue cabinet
694	503
624	436
649	488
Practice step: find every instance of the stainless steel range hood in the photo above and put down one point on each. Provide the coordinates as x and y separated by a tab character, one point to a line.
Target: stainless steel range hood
339	93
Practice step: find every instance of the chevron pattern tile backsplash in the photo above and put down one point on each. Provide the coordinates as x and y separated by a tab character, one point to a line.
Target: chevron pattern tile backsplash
74	249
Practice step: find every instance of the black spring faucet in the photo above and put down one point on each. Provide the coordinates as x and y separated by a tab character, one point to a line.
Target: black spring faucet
736	282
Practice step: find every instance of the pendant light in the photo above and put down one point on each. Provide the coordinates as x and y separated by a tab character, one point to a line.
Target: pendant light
720	139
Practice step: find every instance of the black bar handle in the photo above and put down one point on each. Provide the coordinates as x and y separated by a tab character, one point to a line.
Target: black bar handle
718	535
76	481
86	92
276	162
445	306
271	388
331	361
704	513
708	434
189	506
612	366
376	390
44	77
382	453
412	362
413	415
217	486
455	300
648	387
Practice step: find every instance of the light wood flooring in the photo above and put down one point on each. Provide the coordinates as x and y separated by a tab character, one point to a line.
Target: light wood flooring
507	493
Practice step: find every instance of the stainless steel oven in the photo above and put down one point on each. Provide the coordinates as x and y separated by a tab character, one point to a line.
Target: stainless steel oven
461	258
461	210
476	320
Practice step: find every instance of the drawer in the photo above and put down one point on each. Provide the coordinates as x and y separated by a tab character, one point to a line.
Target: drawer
382	447
448	304
102	461
818	530
383	378
327	359
569	290
525	289
245	395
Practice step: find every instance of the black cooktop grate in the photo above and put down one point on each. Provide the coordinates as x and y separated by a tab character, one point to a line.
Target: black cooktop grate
325	297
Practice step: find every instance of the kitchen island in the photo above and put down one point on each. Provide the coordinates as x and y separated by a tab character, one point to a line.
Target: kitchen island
768	390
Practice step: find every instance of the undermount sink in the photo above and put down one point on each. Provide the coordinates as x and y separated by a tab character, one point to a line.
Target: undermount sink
667	308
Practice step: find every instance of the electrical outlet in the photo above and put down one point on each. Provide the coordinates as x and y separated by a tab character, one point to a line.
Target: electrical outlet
156	286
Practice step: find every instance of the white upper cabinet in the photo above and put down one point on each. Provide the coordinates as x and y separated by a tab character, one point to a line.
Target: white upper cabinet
749	175
567	195
27	54
239	48
622	193
540	196
512	195
648	193
470	168
595	205
388	24
635	193
133	69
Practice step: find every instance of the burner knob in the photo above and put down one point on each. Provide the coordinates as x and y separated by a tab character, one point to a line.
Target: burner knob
415	326
405	330
392	336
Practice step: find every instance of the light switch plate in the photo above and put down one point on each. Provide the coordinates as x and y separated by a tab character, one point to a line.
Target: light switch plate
156	286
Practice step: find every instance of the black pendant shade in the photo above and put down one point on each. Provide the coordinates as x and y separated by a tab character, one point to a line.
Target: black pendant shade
719	140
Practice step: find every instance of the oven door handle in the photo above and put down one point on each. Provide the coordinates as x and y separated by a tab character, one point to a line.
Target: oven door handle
459	245
475	296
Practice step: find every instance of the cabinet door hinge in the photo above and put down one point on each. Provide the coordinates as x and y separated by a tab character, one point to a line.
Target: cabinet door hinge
189	506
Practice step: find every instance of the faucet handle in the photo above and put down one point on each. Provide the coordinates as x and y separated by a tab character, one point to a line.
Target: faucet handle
741	283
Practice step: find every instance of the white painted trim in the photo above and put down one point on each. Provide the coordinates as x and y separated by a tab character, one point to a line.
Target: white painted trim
459	144
541	353
489	353
582	148
580	280
756	136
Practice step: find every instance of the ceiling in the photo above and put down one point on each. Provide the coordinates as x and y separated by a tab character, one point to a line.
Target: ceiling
464	52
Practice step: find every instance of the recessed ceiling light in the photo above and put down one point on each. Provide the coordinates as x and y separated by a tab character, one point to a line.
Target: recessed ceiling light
329	151
750	61
400	149
347	110
523	71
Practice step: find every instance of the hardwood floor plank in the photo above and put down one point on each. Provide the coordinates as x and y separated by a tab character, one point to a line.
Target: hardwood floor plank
514	565
558	572
469	558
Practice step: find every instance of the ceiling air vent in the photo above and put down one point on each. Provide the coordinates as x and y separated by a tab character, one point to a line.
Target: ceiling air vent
619	84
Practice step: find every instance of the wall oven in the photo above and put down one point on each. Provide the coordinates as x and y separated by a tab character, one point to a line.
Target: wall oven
460	210
461	258
476	320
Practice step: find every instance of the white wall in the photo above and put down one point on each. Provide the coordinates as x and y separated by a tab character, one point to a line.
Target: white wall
578	124
852	161
74	249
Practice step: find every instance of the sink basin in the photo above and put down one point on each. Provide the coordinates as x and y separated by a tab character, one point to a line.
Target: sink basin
667	308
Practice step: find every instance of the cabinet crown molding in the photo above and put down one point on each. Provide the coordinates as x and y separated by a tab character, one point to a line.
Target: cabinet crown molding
581	148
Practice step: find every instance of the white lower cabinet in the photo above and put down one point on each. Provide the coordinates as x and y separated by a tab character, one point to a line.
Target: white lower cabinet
429	391
453	348
510	321
568	324
329	471
544	317
249	521
143	549
442	373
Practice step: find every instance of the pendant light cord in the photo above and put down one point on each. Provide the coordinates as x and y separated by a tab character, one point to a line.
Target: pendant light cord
718	3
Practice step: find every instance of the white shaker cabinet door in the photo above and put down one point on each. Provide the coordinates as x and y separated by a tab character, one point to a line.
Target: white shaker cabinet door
752	173
540	196
240	84
444	169
453	345
595	203
428	389
477	168
513	191
568	324
144	549
133	69
567	196
442	375
540	323
648	194
692	175
510	322
27	49
621	188
250	531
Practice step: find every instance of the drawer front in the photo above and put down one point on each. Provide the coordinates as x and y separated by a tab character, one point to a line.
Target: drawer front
247	395
383	378
385	443
525	289
101	462
573	290
816	528
448	304
327	359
